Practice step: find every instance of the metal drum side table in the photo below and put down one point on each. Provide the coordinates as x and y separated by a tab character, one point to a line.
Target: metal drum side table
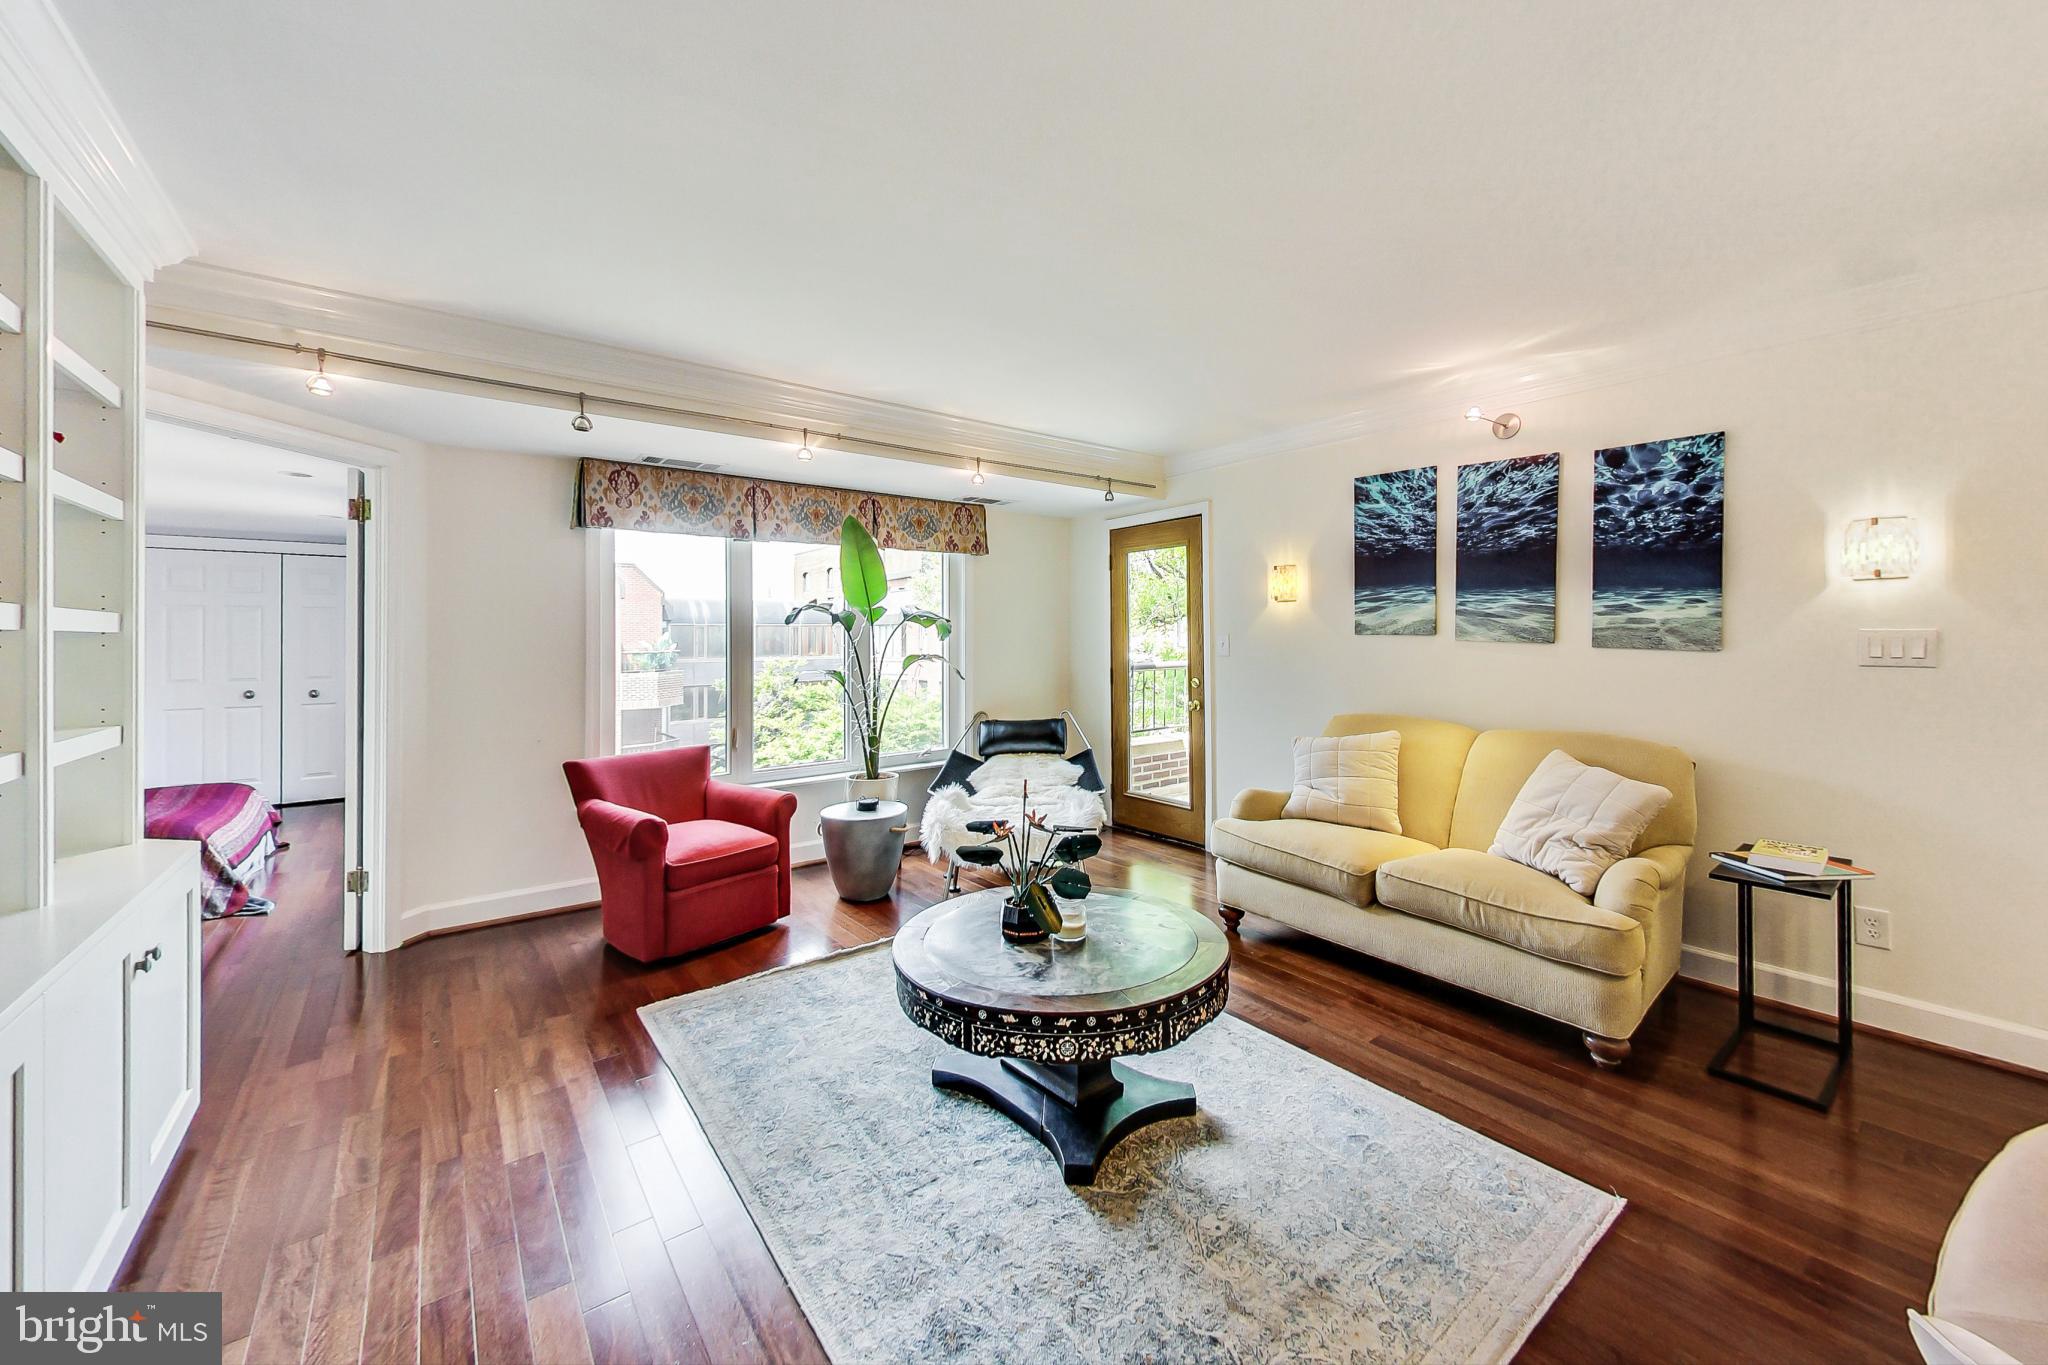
863	848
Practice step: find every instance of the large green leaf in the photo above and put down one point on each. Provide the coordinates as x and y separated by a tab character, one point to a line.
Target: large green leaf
981	855
1048	912
1072	883
981	827
862	576
1076	847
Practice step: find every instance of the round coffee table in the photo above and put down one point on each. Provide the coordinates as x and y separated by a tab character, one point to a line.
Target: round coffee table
1045	1024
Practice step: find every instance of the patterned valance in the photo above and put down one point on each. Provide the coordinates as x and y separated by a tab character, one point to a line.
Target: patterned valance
638	497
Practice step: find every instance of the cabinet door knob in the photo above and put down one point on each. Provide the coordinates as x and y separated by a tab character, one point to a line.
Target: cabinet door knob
155	954
314	693
145	963
249	695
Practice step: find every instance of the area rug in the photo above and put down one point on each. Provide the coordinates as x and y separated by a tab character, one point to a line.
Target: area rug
1303	1214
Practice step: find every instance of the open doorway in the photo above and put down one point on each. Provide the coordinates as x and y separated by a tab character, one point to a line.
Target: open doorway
251	697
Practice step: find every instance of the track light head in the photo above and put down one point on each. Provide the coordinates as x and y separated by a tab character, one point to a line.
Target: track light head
803	452
977	478
318	384
1109	490
581	421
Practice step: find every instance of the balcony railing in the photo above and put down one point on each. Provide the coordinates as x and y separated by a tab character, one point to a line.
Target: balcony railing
1159	697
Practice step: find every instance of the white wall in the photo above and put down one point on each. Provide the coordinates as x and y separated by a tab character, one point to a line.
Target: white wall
1930	777
492	597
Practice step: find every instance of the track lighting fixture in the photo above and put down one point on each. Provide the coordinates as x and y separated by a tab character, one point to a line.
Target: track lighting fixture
803	452
581	421
1108	489
977	478
1504	426
318	383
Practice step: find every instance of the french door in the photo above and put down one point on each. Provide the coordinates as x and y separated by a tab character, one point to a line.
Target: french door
1160	780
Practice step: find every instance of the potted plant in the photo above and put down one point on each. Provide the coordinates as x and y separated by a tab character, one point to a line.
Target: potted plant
1041	860
864	582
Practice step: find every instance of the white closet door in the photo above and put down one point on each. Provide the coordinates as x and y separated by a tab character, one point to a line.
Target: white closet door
213	666
315	688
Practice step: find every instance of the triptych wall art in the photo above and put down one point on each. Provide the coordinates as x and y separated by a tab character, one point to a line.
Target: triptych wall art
1657	523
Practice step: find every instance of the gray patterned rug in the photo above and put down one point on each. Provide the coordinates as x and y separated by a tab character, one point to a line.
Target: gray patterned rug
1303	1214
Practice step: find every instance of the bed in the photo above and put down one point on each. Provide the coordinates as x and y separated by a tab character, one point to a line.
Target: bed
237	833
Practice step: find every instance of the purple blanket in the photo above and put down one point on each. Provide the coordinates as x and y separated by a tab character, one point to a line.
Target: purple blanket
232	823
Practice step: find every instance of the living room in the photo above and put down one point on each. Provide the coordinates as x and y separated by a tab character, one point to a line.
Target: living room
1048	684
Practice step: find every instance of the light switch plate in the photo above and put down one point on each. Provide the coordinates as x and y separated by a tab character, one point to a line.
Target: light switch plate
1915	648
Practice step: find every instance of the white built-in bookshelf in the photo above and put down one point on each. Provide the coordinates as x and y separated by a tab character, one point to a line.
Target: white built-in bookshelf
70	545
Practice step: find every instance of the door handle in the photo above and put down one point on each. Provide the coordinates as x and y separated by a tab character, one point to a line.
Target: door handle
315	694
249	695
1194	705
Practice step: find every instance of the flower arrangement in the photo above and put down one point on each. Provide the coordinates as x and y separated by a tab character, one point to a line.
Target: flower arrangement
1039	868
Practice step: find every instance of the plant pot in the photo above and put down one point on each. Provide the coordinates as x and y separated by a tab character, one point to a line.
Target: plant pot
1021	924
881	788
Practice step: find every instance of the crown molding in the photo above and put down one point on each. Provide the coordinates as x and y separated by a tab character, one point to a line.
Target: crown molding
56	119
211	296
1496	387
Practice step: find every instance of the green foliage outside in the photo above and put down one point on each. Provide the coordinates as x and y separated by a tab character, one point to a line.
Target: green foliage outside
797	722
1157	584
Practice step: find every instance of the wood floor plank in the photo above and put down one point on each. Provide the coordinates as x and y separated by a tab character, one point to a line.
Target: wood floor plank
484	1114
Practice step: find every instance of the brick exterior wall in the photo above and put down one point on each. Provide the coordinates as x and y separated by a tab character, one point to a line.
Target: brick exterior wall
1160	762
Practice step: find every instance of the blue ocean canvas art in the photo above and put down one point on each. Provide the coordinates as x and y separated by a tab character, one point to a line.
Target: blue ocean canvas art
1393	553
1657	514
1507	550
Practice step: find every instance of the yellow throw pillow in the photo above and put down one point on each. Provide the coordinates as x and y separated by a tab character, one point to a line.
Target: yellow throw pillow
1348	780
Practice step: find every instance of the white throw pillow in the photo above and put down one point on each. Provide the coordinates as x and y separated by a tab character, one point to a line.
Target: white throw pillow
1575	821
1348	780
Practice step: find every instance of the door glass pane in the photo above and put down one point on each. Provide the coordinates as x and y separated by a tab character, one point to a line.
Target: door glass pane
799	717
669	621
1156	610
917	716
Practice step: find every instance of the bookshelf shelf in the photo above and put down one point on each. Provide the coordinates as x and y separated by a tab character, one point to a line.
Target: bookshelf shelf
11	466
83	742
74	493
85	621
75	372
10	315
10	768
10	616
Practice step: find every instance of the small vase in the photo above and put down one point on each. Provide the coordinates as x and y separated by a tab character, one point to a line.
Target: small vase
881	788
1020	924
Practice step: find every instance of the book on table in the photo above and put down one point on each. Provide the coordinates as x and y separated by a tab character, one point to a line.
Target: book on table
1834	870
1777	855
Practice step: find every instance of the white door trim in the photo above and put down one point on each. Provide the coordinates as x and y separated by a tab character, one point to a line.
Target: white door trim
370	752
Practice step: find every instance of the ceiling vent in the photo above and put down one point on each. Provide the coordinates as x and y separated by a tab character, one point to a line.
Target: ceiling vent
984	502
696	466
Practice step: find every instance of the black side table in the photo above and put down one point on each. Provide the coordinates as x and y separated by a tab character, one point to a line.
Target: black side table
1747	884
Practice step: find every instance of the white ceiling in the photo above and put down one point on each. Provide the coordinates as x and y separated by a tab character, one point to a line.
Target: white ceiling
461	419
199	483
1160	225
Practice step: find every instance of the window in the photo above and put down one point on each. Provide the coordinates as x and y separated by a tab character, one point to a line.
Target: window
703	656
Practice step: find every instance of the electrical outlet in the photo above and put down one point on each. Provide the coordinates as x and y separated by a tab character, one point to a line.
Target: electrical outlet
1873	927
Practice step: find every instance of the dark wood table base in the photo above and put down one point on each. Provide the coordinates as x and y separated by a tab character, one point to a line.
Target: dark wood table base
1078	1111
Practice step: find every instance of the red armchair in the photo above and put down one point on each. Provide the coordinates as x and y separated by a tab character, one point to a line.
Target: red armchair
683	861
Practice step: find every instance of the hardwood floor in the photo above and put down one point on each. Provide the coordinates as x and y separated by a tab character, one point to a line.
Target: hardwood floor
469	1149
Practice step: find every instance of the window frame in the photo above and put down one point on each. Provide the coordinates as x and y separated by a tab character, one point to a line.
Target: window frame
601	639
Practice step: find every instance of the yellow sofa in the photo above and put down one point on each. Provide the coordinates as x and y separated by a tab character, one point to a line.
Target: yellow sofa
1432	899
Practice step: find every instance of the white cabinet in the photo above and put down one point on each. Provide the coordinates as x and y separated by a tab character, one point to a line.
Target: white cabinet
99	1058
21	1147
84	1142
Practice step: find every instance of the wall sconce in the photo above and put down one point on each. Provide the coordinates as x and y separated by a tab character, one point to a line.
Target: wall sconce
1504	426
1880	547
1285	582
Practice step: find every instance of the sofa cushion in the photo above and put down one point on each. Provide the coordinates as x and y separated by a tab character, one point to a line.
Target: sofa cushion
1337	860
1511	904
701	851
1500	762
1348	780
1432	758
1992	1277
1575	821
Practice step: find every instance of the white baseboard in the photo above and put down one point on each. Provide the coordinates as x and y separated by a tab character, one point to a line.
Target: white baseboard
2020	1044
475	910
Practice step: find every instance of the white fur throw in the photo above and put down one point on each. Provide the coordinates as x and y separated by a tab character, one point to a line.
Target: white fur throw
999	795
